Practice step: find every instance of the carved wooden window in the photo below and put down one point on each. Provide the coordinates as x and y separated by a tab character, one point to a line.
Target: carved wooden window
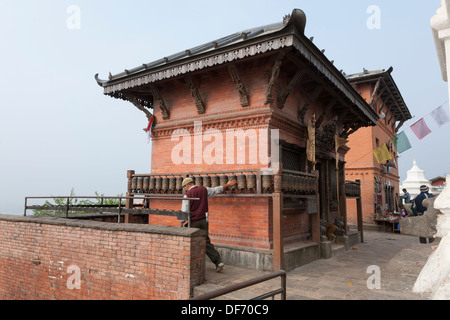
293	158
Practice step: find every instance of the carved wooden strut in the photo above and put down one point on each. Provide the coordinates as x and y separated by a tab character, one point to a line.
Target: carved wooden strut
162	105
239	85
273	78
195	94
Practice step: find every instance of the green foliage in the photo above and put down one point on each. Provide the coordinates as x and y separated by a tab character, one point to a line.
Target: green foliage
58	201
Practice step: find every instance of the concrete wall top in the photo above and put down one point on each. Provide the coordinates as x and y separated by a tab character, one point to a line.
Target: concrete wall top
140	228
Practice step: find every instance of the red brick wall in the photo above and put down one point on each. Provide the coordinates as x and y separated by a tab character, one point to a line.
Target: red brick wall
367	195
240	221
115	261
362	164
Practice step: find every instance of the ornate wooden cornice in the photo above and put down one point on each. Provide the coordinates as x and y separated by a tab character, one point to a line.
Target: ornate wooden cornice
201	63
258	121
325	136
281	122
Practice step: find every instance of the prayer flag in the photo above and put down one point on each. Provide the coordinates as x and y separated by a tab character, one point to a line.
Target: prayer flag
382	154
420	129
401	142
150	126
441	116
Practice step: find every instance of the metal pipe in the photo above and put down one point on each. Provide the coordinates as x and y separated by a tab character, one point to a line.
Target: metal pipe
67	207
239	286
120	210
189	213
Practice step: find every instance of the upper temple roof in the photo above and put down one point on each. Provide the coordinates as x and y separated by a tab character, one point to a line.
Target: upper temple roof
287	36
297	17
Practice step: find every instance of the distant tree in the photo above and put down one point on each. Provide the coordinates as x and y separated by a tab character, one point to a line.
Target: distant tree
58	201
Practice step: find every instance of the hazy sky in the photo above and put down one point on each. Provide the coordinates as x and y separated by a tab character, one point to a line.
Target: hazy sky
58	131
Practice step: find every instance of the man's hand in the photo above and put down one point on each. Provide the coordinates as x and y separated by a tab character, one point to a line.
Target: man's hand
230	184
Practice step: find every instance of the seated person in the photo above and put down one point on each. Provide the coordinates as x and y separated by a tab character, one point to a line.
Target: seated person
410	211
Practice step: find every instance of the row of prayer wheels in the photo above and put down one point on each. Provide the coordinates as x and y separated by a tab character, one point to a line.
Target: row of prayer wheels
291	184
352	190
172	184
298	185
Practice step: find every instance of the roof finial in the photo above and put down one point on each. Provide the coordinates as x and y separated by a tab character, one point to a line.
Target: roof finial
286	19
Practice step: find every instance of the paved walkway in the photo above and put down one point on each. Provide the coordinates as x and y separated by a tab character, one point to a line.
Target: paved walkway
400	259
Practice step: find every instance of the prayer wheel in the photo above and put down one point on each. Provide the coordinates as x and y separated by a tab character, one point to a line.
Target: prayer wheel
207	181
302	185
215	181
267	182
165	184
299	185
140	183
146	184
199	181
308	185
134	184
295	184
291	183
242	182
223	179
285	182
251	181
233	177
179	183
152	184
158	184
313	186
172	184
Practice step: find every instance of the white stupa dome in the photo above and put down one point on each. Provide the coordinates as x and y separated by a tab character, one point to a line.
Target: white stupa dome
414	179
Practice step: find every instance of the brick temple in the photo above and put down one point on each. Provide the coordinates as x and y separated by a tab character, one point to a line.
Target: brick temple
379	181
272	85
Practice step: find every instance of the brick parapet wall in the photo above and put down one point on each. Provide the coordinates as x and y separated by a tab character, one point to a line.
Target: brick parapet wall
40	258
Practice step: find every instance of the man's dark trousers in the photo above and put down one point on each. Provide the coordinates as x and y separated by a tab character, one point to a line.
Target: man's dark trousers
211	251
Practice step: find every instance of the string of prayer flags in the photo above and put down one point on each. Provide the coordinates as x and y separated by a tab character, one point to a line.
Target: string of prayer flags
440	115
401	142
420	129
150	126
382	154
